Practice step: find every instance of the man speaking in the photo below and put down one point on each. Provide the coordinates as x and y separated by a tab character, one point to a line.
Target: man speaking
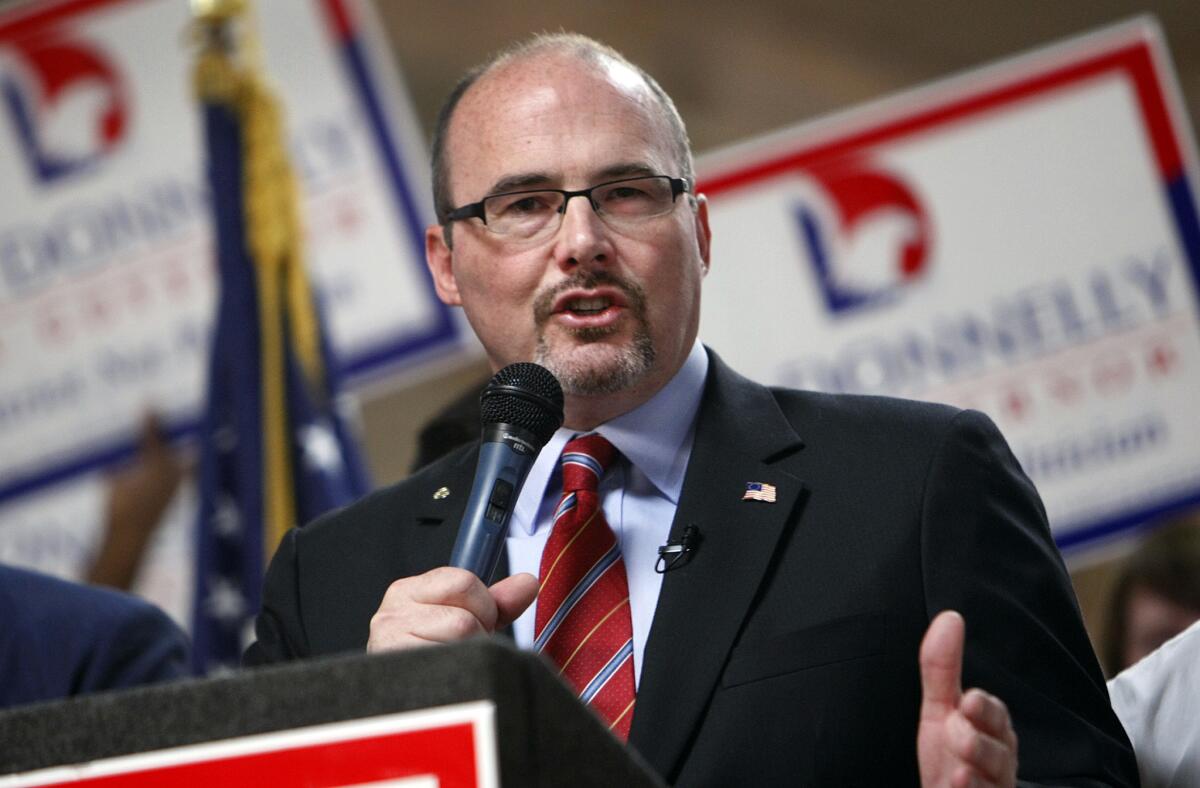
823	533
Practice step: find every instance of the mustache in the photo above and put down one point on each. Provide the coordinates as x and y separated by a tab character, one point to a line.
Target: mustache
543	304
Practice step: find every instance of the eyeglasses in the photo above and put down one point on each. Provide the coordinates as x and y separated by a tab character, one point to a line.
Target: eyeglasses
527	215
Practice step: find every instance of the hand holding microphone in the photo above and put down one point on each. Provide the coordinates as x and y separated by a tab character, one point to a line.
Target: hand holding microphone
521	407
446	605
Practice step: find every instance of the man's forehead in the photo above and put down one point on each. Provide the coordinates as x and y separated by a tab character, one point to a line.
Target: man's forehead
526	88
555	67
508	128
553	178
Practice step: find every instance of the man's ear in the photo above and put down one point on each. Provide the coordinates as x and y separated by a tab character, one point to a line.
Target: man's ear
438	258
703	232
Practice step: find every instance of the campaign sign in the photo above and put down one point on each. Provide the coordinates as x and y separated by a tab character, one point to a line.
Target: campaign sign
1022	240
447	747
106	254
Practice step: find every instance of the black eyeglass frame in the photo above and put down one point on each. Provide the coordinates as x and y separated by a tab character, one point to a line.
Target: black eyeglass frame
475	210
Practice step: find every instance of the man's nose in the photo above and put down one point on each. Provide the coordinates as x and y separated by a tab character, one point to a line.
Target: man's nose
583	236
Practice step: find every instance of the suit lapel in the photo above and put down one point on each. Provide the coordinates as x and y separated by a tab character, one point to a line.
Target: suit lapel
740	437
439	511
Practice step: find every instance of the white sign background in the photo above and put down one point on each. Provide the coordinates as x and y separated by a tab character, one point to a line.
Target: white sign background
1054	286
106	286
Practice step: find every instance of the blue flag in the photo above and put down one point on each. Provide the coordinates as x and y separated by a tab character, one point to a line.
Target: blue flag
274	451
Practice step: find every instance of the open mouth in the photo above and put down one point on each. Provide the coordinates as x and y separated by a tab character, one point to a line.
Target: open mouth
595	300
593	305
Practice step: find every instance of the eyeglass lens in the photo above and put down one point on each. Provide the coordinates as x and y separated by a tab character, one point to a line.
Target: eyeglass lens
525	214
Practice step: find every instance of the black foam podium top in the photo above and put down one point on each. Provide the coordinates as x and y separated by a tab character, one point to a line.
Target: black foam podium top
545	737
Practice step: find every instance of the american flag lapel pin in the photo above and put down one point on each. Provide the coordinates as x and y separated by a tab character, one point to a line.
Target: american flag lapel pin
759	491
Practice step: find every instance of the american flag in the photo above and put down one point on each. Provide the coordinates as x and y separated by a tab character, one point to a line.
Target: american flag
274	450
759	491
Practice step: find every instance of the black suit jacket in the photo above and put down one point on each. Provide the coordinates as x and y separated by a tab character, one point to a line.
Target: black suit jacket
785	651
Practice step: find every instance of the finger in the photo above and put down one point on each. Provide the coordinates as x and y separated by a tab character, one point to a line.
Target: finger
989	714
396	626
966	777
989	757
513	595
446	624
941	665
442	605
452	587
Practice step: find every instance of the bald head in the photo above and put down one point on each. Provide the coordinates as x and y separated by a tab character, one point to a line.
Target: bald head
605	62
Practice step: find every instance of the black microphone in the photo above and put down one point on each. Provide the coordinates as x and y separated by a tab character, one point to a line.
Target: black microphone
677	552
520	408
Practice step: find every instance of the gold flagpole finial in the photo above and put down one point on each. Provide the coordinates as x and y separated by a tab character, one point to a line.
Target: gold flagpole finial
217	10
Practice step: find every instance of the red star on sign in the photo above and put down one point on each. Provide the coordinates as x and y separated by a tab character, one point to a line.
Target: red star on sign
177	280
1016	403
1113	373
1162	358
1064	388
347	217
52	326
98	311
137	292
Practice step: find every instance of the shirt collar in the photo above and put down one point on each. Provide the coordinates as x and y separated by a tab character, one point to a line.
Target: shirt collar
655	437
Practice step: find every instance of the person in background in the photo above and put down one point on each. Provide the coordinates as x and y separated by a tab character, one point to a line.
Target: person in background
60	639
1158	702
455	425
1157	594
138	496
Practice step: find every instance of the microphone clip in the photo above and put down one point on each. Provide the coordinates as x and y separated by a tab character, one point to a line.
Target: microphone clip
677	552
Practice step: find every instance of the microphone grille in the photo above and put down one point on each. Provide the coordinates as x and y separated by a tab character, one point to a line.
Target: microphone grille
526	395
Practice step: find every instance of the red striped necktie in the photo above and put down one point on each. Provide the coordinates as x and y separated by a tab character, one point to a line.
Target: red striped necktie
582	622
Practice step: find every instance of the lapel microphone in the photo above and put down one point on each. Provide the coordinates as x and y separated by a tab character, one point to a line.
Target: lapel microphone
677	552
520	408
